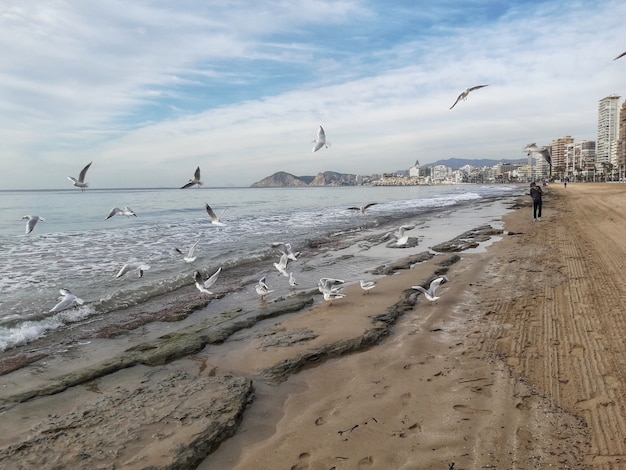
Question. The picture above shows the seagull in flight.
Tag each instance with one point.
(430, 294)
(362, 208)
(80, 182)
(140, 267)
(127, 211)
(203, 285)
(262, 289)
(190, 257)
(215, 220)
(285, 249)
(320, 141)
(621, 55)
(331, 288)
(67, 300)
(195, 180)
(367, 286)
(282, 265)
(32, 221)
(463, 95)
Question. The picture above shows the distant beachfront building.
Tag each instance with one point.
(621, 144)
(580, 158)
(608, 131)
(557, 152)
(414, 171)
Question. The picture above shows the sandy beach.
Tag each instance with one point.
(520, 364)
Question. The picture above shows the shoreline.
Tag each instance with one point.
(470, 379)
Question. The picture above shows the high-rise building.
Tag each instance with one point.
(608, 128)
(557, 152)
(580, 158)
(620, 153)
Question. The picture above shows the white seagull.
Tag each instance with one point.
(401, 237)
(195, 180)
(320, 141)
(363, 208)
(367, 286)
(140, 267)
(281, 266)
(430, 294)
(215, 220)
(285, 249)
(331, 288)
(80, 182)
(127, 211)
(203, 285)
(292, 281)
(190, 257)
(67, 300)
(32, 221)
(463, 95)
(262, 289)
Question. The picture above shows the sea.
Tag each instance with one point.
(76, 248)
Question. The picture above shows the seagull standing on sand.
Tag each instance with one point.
(292, 281)
(363, 208)
(67, 300)
(400, 236)
(430, 294)
(140, 267)
(215, 220)
(367, 286)
(320, 141)
(127, 211)
(262, 289)
(195, 180)
(467, 91)
(80, 182)
(202, 285)
(32, 221)
(190, 257)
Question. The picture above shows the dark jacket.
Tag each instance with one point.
(536, 193)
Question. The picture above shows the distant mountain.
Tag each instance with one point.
(280, 179)
(456, 163)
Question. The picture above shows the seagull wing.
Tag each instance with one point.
(112, 212)
(475, 88)
(210, 281)
(192, 250)
(210, 212)
(196, 174)
(191, 183)
(457, 100)
(83, 172)
(621, 55)
(30, 225)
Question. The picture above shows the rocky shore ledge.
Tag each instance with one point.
(156, 405)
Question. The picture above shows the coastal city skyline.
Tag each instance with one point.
(150, 93)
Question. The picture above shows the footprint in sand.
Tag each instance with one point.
(303, 462)
(366, 462)
(471, 411)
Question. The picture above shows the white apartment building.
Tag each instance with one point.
(580, 157)
(608, 132)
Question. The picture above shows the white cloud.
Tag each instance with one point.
(125, 85)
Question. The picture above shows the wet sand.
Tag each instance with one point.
(520, 364)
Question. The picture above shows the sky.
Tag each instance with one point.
(150, 90)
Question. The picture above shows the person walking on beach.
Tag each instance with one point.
(535, 194)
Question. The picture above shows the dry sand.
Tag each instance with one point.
(520, 364)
